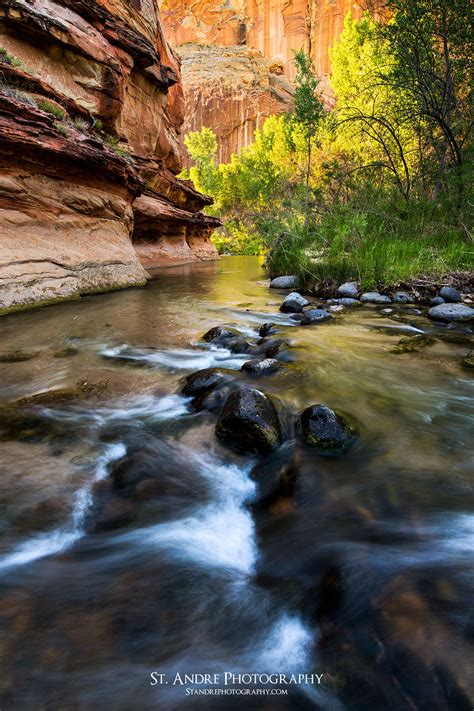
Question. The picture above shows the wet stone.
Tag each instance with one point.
(220, 333)
(261, 366)
(313, 316)
(249, 422)
(266, 329)
(436, 301)
(293, 303)
(322, 428)
(204, 380)
(401, 297)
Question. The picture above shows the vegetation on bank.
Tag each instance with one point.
(378, 189)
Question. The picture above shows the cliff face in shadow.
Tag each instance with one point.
(91, 109)
(248, 44)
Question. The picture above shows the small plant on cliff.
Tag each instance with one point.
(50, 108)
(60, 127)
(80, 125)
(97, 125)
(8, 58)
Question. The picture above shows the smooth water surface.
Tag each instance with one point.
(364, 573)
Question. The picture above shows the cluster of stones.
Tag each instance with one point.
(447, 306)
(250, 421)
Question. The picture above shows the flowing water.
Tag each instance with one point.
(363, 573)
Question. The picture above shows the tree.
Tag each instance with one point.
(308, 111)
(431, 42)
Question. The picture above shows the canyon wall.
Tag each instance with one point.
(238, 58)
(91, 110)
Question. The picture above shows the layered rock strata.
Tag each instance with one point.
(91, 109)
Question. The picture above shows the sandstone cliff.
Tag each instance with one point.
(91, 108)
(237, 57)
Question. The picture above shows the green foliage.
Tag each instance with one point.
(50, 108)
(97, 125)
(8, 58)
(80, 124)
(60, 127)
(374, 190)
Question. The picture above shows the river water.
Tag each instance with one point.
(363, 573)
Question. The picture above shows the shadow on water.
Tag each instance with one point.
(134, 542)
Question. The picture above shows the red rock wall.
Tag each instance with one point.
(91, 110)
(270, 30)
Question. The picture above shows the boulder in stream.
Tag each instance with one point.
(204, 380)
(402, 297)
(249, 422)
(315, 316)
(293, 303)
(451, 312)
(261, 366)
(220, 334)
(322, 428)
(266, 329)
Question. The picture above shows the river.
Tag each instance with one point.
(364, 574)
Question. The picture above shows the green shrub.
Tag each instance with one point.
(8, 58)
(50, 108)
(60, 127)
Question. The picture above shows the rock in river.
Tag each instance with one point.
(450, 294)
(249, 422)
(373, 297)
(284, 282)
(315, 316)
(320, 427)
(349, 289)
(220, 334)
(451, 312)
(293, 303)
(261, 366)
(204, 380)
(267, 329)
(436, 301)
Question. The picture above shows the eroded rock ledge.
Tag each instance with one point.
(91, 108)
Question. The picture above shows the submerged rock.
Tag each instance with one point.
(269, 347)
(336, 308)
(322, 428)
(450, 294)
(468, 361)
(451, 312)
(374, 297)
(411, 344)
(261, 366)
(220, 333)
(284, 282)
(293, 303)
(315, 316)
(17, 356)
(249, 422)
(67, 352)
(350, 289)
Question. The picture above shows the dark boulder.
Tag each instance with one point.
(320, 427)
(220, 334)
(240, 345)
(266, 329)
(249, 422)
(204, 380)
(261, 366)
(212, 400)
(315, 316)
(436, 301)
